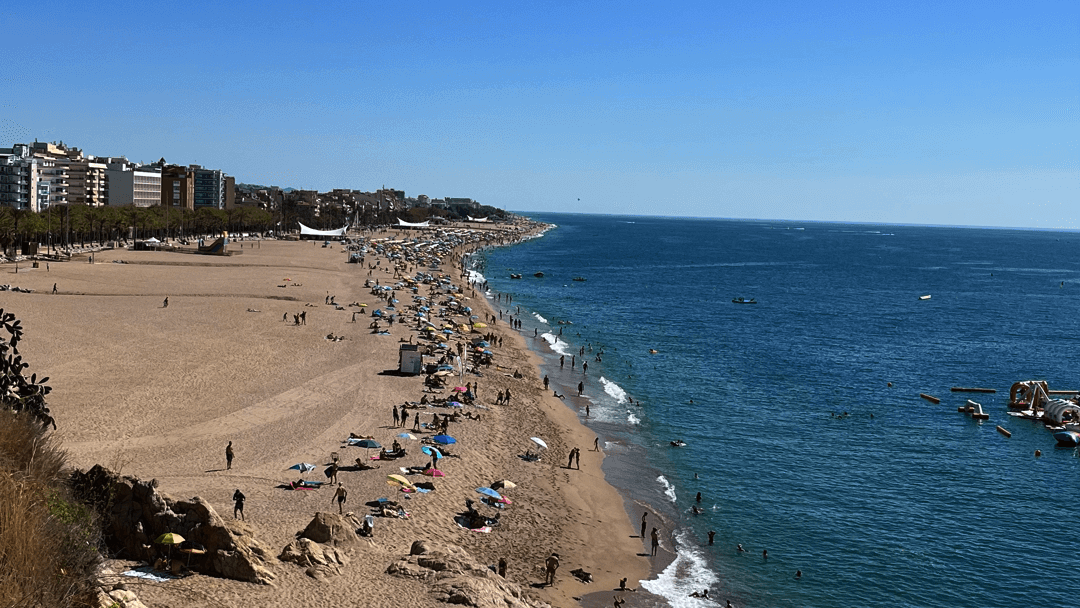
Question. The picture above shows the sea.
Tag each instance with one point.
(803, 426)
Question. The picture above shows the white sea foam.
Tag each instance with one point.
(556, 343)
(476, 277)
(631, 418)
(669, 490)
(686, 575)
(616, 391)
(539, 318)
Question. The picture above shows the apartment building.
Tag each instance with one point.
(24, 180)
(75, 177)
(132, 184)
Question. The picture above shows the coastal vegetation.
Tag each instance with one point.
(48, 541)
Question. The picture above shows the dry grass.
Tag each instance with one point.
(48, 542)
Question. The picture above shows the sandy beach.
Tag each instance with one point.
(157, 392)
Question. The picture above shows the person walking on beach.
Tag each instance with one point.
(552, 564)
(712, 533)
(655, 540)
(228, 456)
(580, 388)
(238, 508)
(577, 459)
(596, 445)
(341, 495)
(643, 524)
(303, 317)
(416, 422)
(562, 361)
(545, 375)
(570, 461)
(404, 416)
(584, 367)
(54, 290)
(397, 419)
(165, 304)
(587, 410)
(573, 361)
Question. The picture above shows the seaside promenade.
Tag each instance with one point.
(157, 392)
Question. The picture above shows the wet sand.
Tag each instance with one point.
(157, 393)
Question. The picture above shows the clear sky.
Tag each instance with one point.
(922, 112)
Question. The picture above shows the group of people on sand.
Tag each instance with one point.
(299, 318)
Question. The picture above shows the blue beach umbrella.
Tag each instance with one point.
(444, 439)
(489, 492)
(303, 467)
(429, 450)
(365, 443)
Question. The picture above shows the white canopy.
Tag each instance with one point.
(304, 230)
(405, 224)
(476, 219)
(151, 240)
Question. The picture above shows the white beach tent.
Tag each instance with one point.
(305, 231)
(405, 224)
(477, 219)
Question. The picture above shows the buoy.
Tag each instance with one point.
(1003, 431)
(890, 384)
(1038, 453)
(930, 398)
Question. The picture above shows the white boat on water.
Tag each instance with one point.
(926, 297)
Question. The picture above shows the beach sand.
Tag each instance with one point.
(157, 392)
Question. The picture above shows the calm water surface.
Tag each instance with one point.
(902, 502)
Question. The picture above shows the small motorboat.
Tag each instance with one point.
(678, 443)
(926, 297)
(744, 301)
(515, 276)
(538, 275)
(579, 279)
(1067, 438)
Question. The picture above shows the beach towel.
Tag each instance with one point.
(148, 573)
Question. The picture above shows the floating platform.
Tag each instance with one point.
(1004, 432)
(968, 389)
(930, 398)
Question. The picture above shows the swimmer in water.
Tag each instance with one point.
(740, 549)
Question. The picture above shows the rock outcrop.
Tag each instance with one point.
(135, 514)
(456, 578)
(321, 547)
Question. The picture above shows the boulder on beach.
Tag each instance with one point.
(134, 514)
(455, 577)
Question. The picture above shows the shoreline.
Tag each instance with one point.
(155, 392)
(635, 595)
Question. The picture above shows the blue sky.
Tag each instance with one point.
(934, 112)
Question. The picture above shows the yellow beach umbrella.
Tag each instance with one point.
(479, 325)
(398, 480)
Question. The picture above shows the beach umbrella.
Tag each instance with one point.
(490, 493)
(365, 443)
(434, 473)
(455, 404)
(398, 480)
(303, 467)
(169, 538)
(539, 442)
(431, 451)
(474, 317)
(505, 484)
(448, 331)
(479, 325)
(460, 389)
(443, 373)
(407, 436)
(444, 439)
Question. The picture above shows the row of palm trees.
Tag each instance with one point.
(63, 225)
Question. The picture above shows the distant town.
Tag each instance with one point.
(61, 193)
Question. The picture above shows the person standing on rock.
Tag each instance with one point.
(238, 508)
(341, 495)
(228, 456)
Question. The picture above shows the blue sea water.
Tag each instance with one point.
(900, 503)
